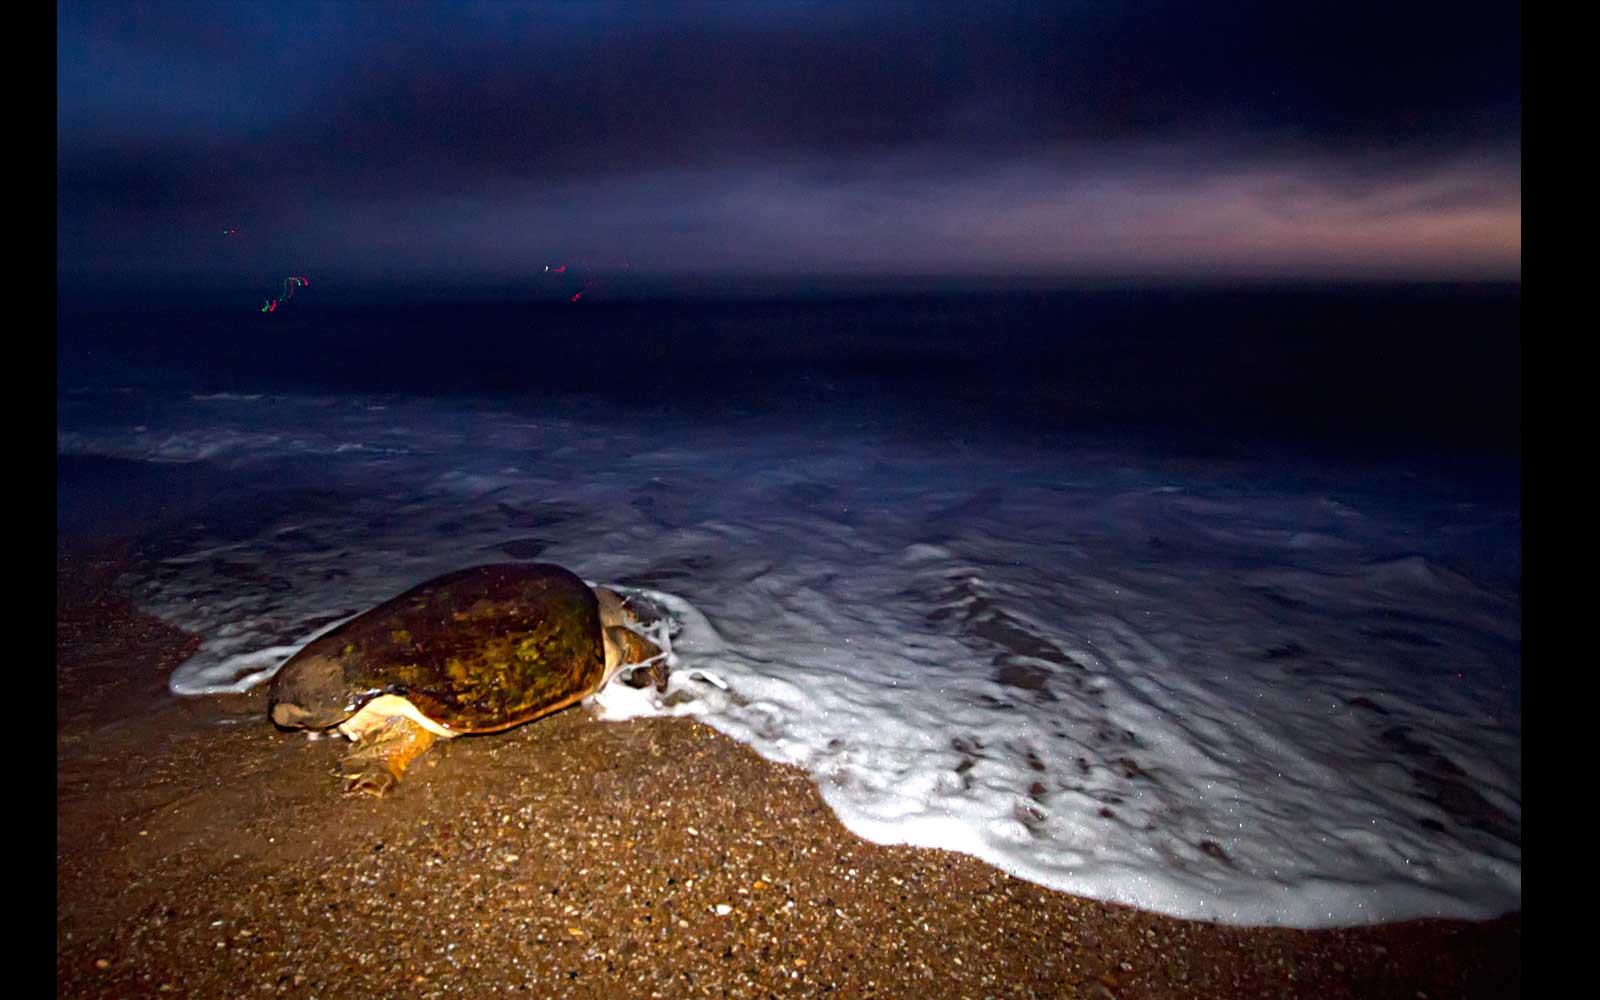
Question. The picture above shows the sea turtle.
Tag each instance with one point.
(475, 651)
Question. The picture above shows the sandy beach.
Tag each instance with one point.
(203, 853)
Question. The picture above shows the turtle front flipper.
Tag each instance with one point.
(378, 759)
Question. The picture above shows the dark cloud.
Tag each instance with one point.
(854, 119)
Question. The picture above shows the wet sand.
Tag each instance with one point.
(200, 852)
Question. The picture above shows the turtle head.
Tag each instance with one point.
(310, 692)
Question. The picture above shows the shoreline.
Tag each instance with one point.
(201, 852)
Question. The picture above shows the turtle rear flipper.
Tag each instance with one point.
(623, 646)
(628, 647)
(639, 661)
(381, 756)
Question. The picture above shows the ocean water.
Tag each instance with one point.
(1231, 633)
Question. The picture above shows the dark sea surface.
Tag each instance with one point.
(1377, 370)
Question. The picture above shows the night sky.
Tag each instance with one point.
(475, 144)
